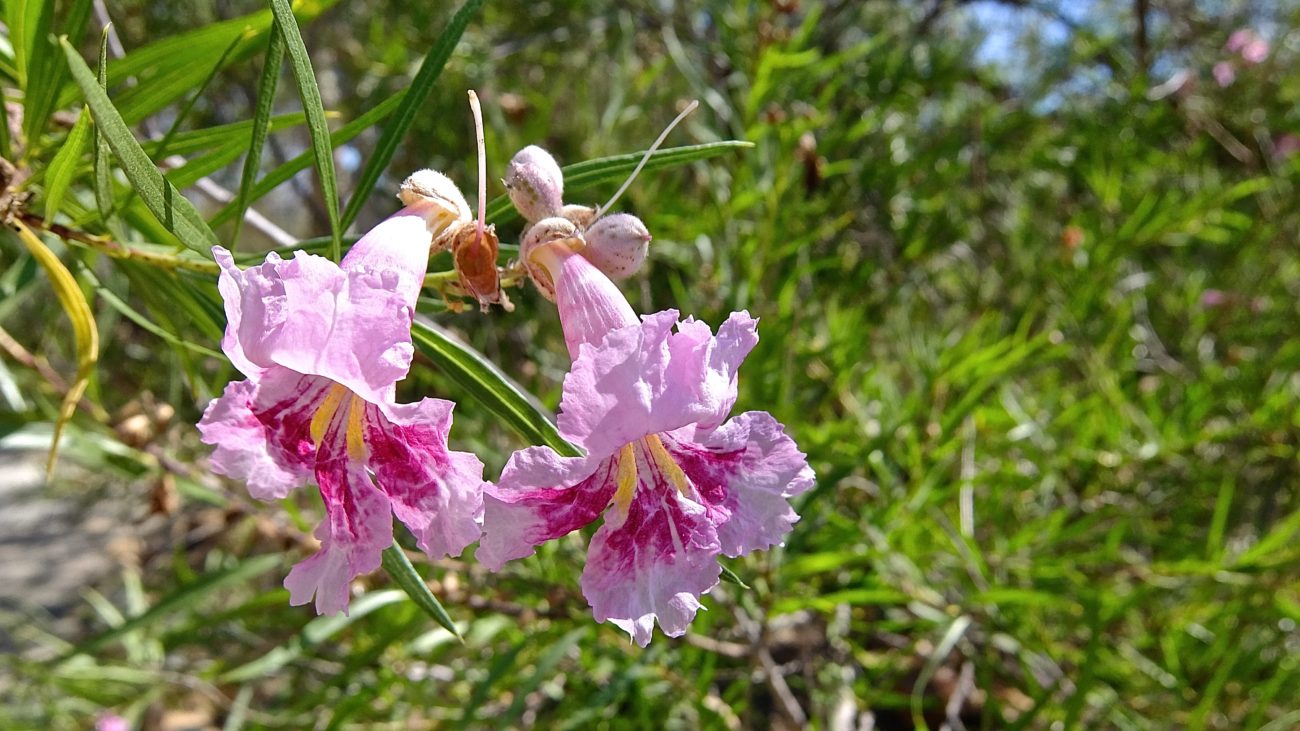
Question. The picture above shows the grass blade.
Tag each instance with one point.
(399, 567)
(183, 596)
(416, 94)
(490, 387)
(39, 95)
(309, 92)
(84, 331)
(583, 175)
(59, 175)
(171, 208)
(261, 127)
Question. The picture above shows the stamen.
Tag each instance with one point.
(644, 159)
(356, 434)
(320, 421)
(667, 465)
(626, 479)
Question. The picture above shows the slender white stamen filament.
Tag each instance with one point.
(646, 158)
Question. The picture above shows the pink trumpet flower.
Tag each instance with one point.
(678, 483)
(322, 346)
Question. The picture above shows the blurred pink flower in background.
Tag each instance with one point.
(1246, 43)
(1285, 145)
(1224, 73)
(108, 721)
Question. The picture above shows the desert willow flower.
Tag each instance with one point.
(677, 481)
(322, 346)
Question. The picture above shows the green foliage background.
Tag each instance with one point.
(1033, 317)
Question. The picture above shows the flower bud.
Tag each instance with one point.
(535, 183)
(581, 216)
(546, 231)
(617, 245)
(438, 199)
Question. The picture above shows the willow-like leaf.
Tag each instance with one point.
(591, 173)
(399, 568)
(84, 332)
(261, 127)
(416, 94)
(490, 387)
(309, 93)
(58, 176)
(171, 208)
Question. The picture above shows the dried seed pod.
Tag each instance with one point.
(546, 231)
(535, 184)
(617, 245)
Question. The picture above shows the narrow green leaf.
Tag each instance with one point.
(730, 577)
(416, 94)
(39, 94)
(133, 315)
(313, 633)
(164, 201)
(183, 597)
(490, 387)
(309, 92)
(399, 567)
(184, 113)
(261, 127)
(23, 17)
(59, 175)
(276, 177)
(234, 134)
(103, 175)
(590, 173)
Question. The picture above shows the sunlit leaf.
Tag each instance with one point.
(171, 208)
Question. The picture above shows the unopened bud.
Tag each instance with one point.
(546, 231)
(617, 245)
(535, 183)
(581, 216)
(444, 202)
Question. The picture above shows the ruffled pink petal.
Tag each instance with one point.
(436, 492)
(229, 284)
(261, 431)
(399, 244)
(745, 472)
(357, 528)
(654, 565)
(736, 338)
(647, 379)
(541, 496)
(632, 384)
(312, 317)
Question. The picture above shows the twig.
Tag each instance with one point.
(116, 249)
(25, 358)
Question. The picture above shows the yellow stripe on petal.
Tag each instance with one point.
(356, 435)
(320, 421)
(667, 465)
(626, 479)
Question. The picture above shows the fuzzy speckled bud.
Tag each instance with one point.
(535, 183)
(441, 202)
(617, 245)
(581, 216)
(546, 231)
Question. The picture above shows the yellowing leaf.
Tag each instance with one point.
(83, 328)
